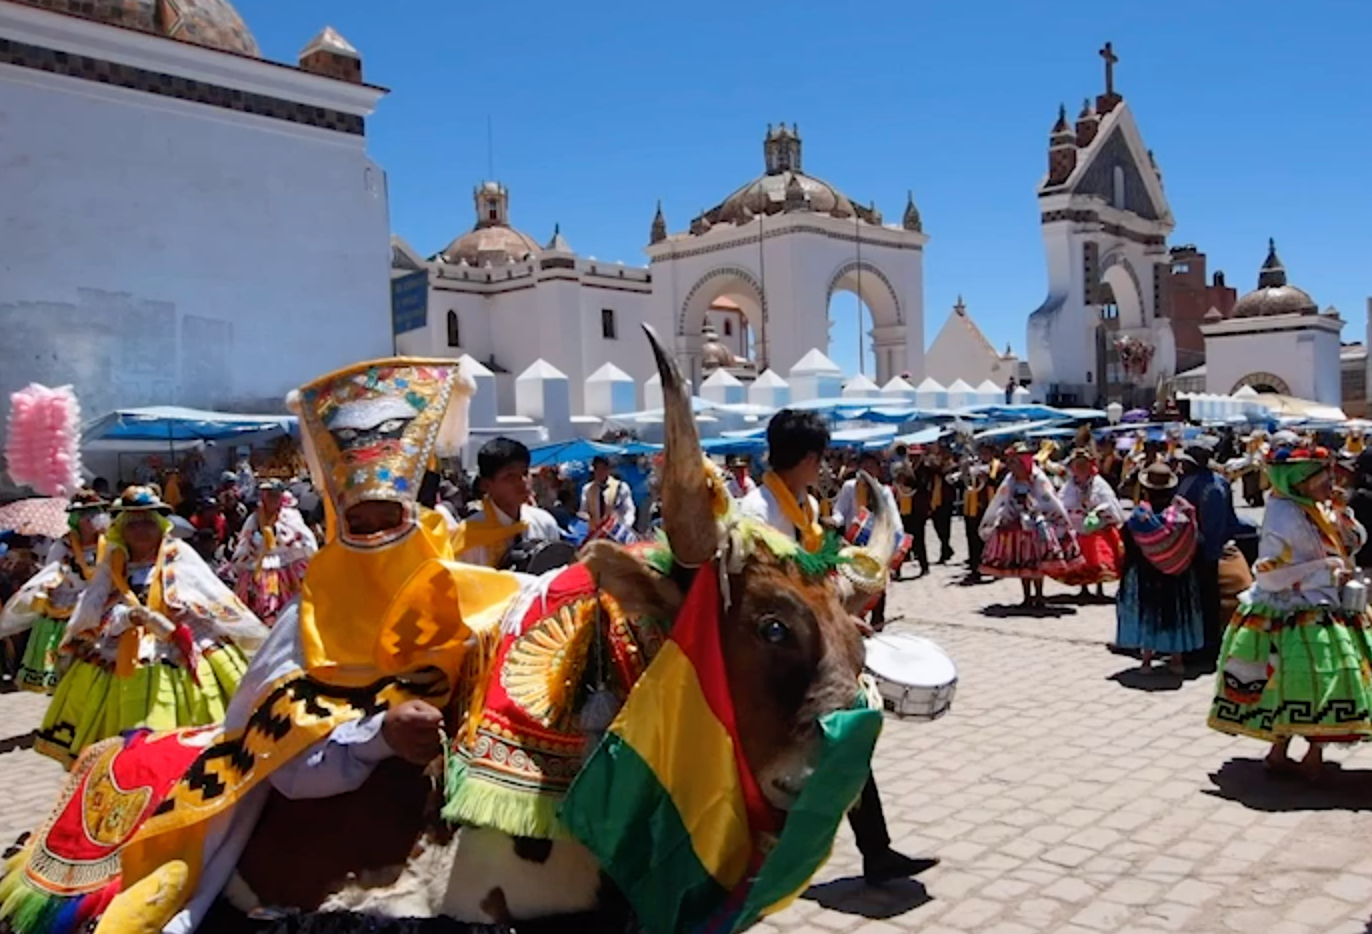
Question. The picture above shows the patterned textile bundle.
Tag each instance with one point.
(70, 870)
(1168, 541)
(43, 449)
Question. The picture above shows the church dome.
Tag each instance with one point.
(784, 188)
(713, 354)
(495, 244)
(1274, 296)
(214, 24)
(492, 240)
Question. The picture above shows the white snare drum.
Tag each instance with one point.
(916, 677)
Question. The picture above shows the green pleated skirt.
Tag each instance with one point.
(1307, 673)
(92, 703)
(38, 670)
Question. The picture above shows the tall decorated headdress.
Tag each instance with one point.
(369, 431)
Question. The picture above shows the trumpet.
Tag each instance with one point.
(829, 484)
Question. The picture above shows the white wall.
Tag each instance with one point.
(526, 314)
(159, 251)
(1307, 360)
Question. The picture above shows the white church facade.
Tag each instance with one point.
(183, 221)
(1102, 334)
(759, 269)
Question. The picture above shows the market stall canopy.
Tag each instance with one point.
(566, 452)
(164, 424)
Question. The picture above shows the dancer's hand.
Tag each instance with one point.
(863, 626)
(412, 730)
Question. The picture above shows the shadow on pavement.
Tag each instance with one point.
(1019, 611)
(853, 896)
(1248, 782)
(1159, 679)
(22, 741)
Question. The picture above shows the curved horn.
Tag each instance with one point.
(686, 516)
(886, 526)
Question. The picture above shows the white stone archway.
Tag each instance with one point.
(1263, 382)
(738, 283)
(874, 289)
(1117, 272)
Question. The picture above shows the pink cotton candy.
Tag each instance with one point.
(43, 446)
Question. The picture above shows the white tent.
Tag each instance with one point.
(930, 394)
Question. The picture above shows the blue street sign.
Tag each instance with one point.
(409, 302)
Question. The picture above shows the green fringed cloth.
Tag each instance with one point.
(514, 760)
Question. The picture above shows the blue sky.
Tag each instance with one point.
(1259, 113)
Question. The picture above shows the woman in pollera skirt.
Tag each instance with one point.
(1295, 661)
(274, 549)
(156, 639)
(1025, 528)
(1095, 513)
(44, 604)
(1158, 609)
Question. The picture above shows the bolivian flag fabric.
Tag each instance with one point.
(668, 804)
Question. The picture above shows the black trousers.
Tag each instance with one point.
(975, 546)
(914, 527)
(943, 528)
(869, 823)
(1208, 576)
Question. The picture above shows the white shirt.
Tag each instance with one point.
(846, 507)
(618, 499)
(761, 505)
(736, 489)
(539, 526)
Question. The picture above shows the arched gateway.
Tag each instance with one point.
(779, 248)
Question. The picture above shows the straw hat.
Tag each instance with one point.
(1158, 476)
(140, 499)
(87, 500)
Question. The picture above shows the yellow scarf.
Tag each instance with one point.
(861, 494)
(268, 529)
(487, 533)
(126, 655)
(906, 501)
(78, 554)
(801, 516)
(971, 499)
(119, 574)
(936, 500)
(368, 613)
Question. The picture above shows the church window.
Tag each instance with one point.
(728, 328)
(607, 324)
(1118, 200)
(454, 332)
(1109, 311)
(1179, 268)
(492, 210)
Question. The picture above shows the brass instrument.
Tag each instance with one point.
(829, 483)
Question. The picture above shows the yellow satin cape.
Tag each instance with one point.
(366, 613)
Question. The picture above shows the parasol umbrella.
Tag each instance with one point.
(40, 516)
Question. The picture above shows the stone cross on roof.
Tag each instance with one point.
(1108, 53)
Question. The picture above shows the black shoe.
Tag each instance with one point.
(889, 865)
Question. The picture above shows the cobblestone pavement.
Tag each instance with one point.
(1062, 795)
